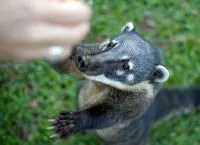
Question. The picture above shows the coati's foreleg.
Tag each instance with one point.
(112, 110)
(95, 117)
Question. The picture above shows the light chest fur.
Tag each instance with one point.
(93, 93)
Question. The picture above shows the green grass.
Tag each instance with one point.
(33, 92)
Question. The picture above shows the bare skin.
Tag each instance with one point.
(29, 27)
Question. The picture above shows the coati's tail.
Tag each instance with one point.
(176, 100)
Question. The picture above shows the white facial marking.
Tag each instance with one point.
(130, 77)
(104, 80)
(105, 43)
(103, 48)
(130, 64)
(119, 72)
(125, 57)
(114, 41)
(143, 85)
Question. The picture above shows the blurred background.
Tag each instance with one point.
(31, 93)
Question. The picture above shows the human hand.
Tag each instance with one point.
(28, 28)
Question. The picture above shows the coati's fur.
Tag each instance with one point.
(120, 98)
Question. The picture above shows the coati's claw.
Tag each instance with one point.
(51, 120)
(65, 124)
(53, 136)
(50, 128)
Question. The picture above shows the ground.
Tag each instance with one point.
(31, 93)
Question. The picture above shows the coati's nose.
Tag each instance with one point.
(81, 63)
(88, 66)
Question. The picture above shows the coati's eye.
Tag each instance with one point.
(125, 66)
(110, 45)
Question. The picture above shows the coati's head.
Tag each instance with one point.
(124, 61)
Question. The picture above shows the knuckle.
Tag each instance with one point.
(33, 8)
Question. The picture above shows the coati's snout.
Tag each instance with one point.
(88, 66)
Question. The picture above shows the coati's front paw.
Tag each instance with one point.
(65, 124)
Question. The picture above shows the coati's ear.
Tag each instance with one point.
(128, 27)
(161, 74)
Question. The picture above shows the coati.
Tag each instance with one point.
(121, 96)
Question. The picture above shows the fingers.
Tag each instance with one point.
(50, 34)
(49, 53)
(65, 12)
